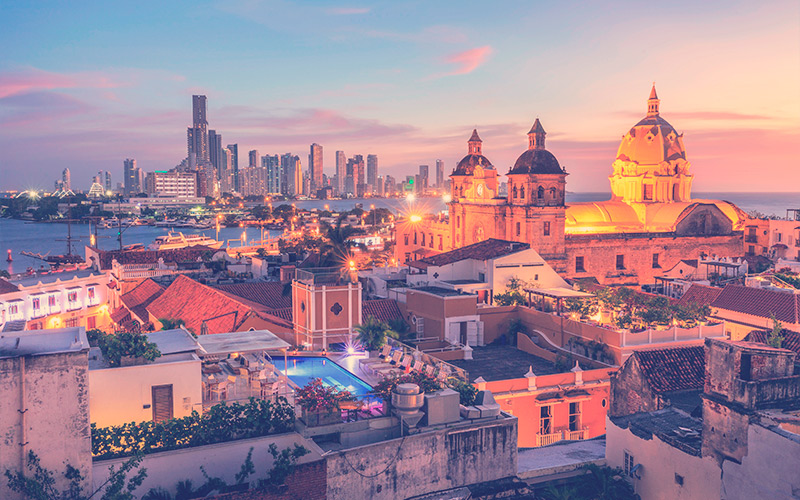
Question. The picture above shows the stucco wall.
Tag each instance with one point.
(119, 395)
(769, 470)
(425, 462)
(660, 463)
(57, 417)
(223, 460)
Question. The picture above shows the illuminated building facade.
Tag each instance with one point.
(649, 224)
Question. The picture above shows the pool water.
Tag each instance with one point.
(303, 370)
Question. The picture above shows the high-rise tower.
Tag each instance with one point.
(315, 166)
(372, 172)
(197, 134)
(341, 172)
(234, 151)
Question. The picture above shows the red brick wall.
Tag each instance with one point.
(309, 482)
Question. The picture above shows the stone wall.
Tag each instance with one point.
(426, 462)
(629, 391)
(44, 408)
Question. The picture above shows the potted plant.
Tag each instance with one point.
(320, 403)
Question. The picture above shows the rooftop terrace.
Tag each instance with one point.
(503, 362)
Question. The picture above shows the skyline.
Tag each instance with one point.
(78, 94)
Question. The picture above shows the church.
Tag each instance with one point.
(650, 223)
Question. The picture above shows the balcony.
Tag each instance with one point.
(578, 435)
(751, 238)
(563, 435)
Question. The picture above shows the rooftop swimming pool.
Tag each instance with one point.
(303, 369)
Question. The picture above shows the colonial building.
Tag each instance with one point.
(650, 223)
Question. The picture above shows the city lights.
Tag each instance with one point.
(415, 218)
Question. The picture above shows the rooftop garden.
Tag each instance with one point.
(123, 348)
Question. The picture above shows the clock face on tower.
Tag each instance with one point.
(479, 189)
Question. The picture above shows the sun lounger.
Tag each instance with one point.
(405, 362)
(429, 369)
(418, 366)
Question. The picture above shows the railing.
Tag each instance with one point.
(548, 439)
(428, 359)
(751, 239)
(578, 435)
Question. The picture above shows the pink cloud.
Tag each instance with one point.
(466, 62)
(32, 80)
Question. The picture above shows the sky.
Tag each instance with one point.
(85, 85)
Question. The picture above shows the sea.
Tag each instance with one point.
(50, 238)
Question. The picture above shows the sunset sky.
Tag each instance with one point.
(85, 85)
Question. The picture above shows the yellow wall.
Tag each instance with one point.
(118, 395)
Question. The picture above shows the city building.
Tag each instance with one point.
(291, 175)
(133, 177)
(234, 163)
(171, 183)
(422, 179)
(273, 173)
(651, 222)
(439, 174)
(197, 135)
(372, 173)
(215, 152)
(57, 300)
(315, 167)
(741, 440)
(341, 172)
(66, 179)
(315, 292)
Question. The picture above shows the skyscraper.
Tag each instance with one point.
(215, 151)
(358, 170)
(341, 172)
(234, 149)
(252, 158)
(372, 172)
(315, 166)
(291, 175)
(197, 134)
(132, 177)
(422, 185)
(272, 166)
(439, 174)
(66, 179)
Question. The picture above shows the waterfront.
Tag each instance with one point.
(16, 235)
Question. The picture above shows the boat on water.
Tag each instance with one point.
(174, 241)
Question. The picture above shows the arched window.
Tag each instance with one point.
(552, 193)
(514, 191)
(522, 192)
(540, 192)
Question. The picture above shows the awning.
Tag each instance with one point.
(228, 343)
(559, 293)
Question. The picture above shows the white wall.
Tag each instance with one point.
(223, 460)
(118, 395)
(542, 275)
(771, 468)
(659, 464)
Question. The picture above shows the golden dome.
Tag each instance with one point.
(653, 140)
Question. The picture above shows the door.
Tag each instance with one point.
(162, 402)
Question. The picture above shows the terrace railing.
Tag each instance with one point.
(548, 439)
(426, 358)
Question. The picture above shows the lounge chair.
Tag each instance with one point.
(405, 362)
(388, 372)
(418, 366)
(429, 369)
(381, 358)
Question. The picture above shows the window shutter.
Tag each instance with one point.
(162, 403)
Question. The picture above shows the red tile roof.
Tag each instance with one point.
(760, 302)
(191, 254)
(791, 340)
(674, 369)
(701, 295)
(195, 303)
(140, 297)
(269, 294)
(284, 314)
(381, 309)
(484, 250)
(6, 287)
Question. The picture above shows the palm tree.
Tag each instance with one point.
(372, 333)
(335, 250)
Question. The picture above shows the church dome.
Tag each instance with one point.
(536, 160)
(653, 140)
(474, 158)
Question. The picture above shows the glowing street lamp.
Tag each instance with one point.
(447, 198)
(415, 218)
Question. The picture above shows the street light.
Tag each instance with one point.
(415, 218)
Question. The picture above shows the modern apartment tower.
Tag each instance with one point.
(252, 157)
(291, 175)
(341, 173)
(315, 166)
(66, 179)
(272, 166)
(372, 173)
(439, 174)
(215, 151)
(424, 172)
(197, 134)
(132, 177)
(234, 151)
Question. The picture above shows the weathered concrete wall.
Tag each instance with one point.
(660, 463)
(306, 483)
(223, 460)
(771, 468)
(425, 462)
(54, 396)
(724, 431)
(630, 392)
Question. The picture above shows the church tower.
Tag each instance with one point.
(651, 165)
(535, 203)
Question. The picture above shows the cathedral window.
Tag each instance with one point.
(579, 265)
(540, 193)
(423, 239)
(440, 242)
(656, 265)
(415, 237)
(522, 192)
(620, 262)
(553, 193)
(405, 239)
(648, 192)
(514, 191)
(547, 228)
(519, 228)
(430, 240)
